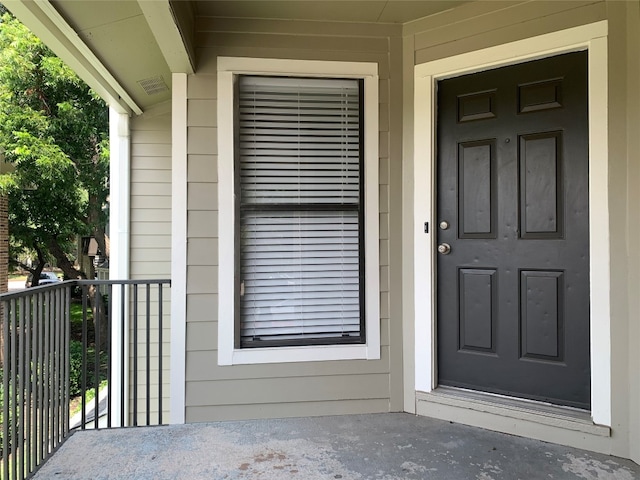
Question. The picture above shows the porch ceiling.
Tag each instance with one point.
(365, 11)
(127, 49)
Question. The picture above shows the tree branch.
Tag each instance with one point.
(63, 262)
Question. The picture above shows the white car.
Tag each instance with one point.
(45, 279)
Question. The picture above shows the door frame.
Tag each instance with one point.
(593, 38)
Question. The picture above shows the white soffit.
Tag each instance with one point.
(46, 23)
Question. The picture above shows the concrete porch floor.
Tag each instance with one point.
(383, 446)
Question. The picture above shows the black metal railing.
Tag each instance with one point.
(78, 354)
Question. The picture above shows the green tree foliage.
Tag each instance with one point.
(54, 130)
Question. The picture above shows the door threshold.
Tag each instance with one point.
(530, 410)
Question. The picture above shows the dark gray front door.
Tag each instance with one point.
(513, 177)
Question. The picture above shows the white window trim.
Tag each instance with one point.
(227, 68)
(593, 38)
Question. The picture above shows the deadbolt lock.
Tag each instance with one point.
(444, 225)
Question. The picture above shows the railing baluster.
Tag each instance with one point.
(135, 355)
(62, 359)
(13, 397)
(123, 349)
(22, 372)
(5, 388)
(47, 370)
(97, 327)
(51, 363)
(148, 359)
(160, 325)
(67, 358)
(26, 308)
(108, 315)
(83, 381)
(40, 411)
(55, 327)
(33, 316)
(59, 320)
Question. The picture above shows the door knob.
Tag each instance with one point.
(444, 248)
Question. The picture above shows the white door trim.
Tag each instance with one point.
(592, 37)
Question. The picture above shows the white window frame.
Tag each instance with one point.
(228, 67)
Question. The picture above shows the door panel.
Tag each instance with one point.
(512, 172)
(477, 309)
(541, 201)
(476, 189)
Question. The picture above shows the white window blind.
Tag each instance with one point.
(299, 172)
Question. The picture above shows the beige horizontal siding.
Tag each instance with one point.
(152, 215)
(151, 189)
(202, 224)
(201, 194)
(202, 87)
(276, 389)
(495, 17)
(286, 409)
(158, 150)
(200, 364)
(299, 28)
(202, 302)
(146, 202)
(150, 228)
(285, 41)
(202, 279)
(308, 388)
(202, 168)
(151, 163)
(202, 140)
(150, 176)
(202, 112)
(495, 23)
(150, 241)
(202, 251)
(150, 252)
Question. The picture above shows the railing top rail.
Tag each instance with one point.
(148, 281)
(71, 283)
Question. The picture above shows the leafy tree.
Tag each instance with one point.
(54, 130)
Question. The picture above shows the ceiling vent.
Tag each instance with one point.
(153, 85)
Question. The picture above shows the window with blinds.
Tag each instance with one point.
(300, 211)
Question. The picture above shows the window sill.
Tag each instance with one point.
(315, 353)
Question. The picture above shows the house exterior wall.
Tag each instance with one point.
(459, 31)
(288, 389)
(334, 387)
(150, 241)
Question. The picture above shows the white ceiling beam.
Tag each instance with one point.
(47, 24)
(165, 29)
